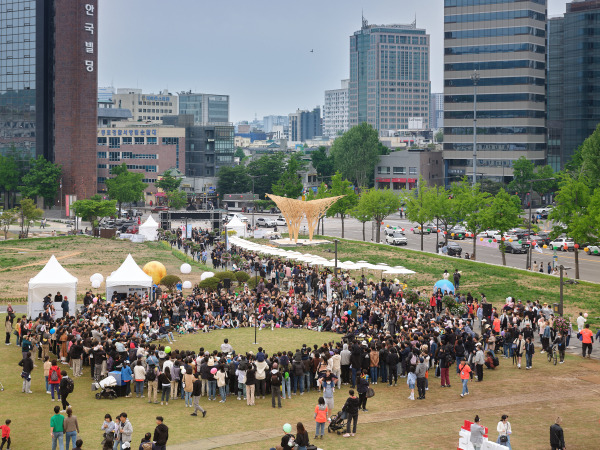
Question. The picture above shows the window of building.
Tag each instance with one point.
(151, 140)
(412, 170)
(399, 170)
(139, 140)
(114, 156)
(127, 140)
(383, 170)
(101, 141)
(114, 142)
(101, 155)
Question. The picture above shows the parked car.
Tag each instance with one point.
(133, 229)
(451, 249)
(543, 211)
(265, 222)
(594, 250)
(388, 231)
(459, 232)
(157, 209)
(490, 233)
(559, 244)
(543, 238)
(428, 228)
(515, 247)
(280, 221)
(396, 238)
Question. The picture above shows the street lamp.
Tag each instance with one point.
(475, 78)
(253, 203)
(528, 259)
(560, 307)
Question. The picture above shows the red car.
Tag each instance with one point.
(159, 208)
(133, 229)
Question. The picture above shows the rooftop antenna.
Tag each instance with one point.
(414, 24)
(365, 24)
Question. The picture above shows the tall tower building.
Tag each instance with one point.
(389, 76)
(573, 78)
(48, 86)
(206, 108)
(436, 112)
(505, 42)
(305, 125)
(335, 111)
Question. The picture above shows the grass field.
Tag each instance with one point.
(532, 399)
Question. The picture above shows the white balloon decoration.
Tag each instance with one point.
(187, 285)
(97, 276)
(206, 275)
(185, 268)
(96, 283)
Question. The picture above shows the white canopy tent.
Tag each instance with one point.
(51, 279)
(128, 279)
(149, 229)
(237, 225)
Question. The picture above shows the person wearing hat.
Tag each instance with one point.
(504, 431)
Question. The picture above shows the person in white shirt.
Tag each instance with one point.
(581, 322)
(226, 347)
(504, 432)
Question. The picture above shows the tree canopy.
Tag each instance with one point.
(378, 204)
(41, 180)
(502, 214)
(419, 204)
(322, 162)
(168, 183)
(289, 183)
(125, 186)
(590, 158)
(233, 180)
(345, 204)
(93, 208)
(29, 213)
(266, 169)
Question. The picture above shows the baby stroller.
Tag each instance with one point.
(338, 423)
(106, 387)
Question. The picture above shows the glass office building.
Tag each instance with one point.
(206, 108)
(389, 76)
(505, 42)
(573, 79)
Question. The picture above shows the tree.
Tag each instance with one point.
(523, 170)
(94, 207)
(29, 212)
(168, 183)
(378, 204)
(322, 192)
(362, 216)
(419, 205)
(356, 153)
(572, 214)
(489, 186)
(170, 281)
(590, 158)
(265, 169)
(502, 214)
(126, 186)
(547, 186)
(233, 180)
(345, 204)
(469, 205)
(239, 153)
(10, 177)
(442, 209)
(322, 162)
(177, 199)
(289, 183)
(42, 180)
(7, 218)
(439, 137)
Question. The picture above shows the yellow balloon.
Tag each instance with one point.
(586, 249)
(156, 270)
(545, 246)
(510, 240)
(451, 234)
(481, 239)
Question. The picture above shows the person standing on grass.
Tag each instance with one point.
(328, 383)
(529, 352)
(519, 349)
(8, 328)
(477, 432)
(362, 386)
(351, 408)
(221, 377)
(557, 437)
(420, 372)
(411, 380)
(250, 384)
(161, 434)
(5, 434)
(147, 443)
(188, 381)
(504, 432)
(196, 394)
(125, 431)
(54, 377)
(276, 380)
(465, 374)
(126, 376)
(587, 338)
(321, 416)
(71, 427)
(165, 381)
(27, 364)
(139, 375)
(65, 388)
(152, 378)
(57, 429)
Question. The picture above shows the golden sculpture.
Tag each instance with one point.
(295, 210)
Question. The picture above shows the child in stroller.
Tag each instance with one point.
(106, 387)
(338, 423)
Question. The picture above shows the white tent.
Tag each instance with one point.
(237, 225)
(148, 229)
(51, 279)
(128, 279)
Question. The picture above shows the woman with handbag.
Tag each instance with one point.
(504, 432)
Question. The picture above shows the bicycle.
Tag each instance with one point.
(553, 354)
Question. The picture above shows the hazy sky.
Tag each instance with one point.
(257, 52)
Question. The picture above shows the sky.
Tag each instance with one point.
(259, 53)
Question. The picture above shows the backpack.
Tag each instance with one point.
(54, 376)
(70, 386)
(496, 361)
(146, 446)
(151, 375)
(275, 379)
(413, 360)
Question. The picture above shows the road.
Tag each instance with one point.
(589, 265)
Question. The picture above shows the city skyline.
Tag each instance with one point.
(260, 58)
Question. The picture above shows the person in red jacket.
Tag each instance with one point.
(54, 377)
(5, 434)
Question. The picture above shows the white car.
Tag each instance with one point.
(280, 221)
(559, 244)
(490, 233)
(594, 250)
(396, 238)
(507, 237)
(239, 216)
(265, 222)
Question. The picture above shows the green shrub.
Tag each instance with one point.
(225, 274)
(209, 284)
(242, 277)
(169, 281)
(253, 282)
(411, 297)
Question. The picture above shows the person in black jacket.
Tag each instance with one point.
(27, 365)
(351, 408)
(301, 436)
(161, 434)
(65, 381)
(557, 438)
(355, 359)
(196, 394)
(362, 388)
(392, 362)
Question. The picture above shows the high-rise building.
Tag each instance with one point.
(504, 41)
(206, 108)
(305, 125)
(335, 111)
(573, 104)
(48, 85)
(207, 147)
(146, 107)
(436, 112)
(389, 76)
(272, 121)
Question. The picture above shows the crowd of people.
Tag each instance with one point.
(382, 337)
